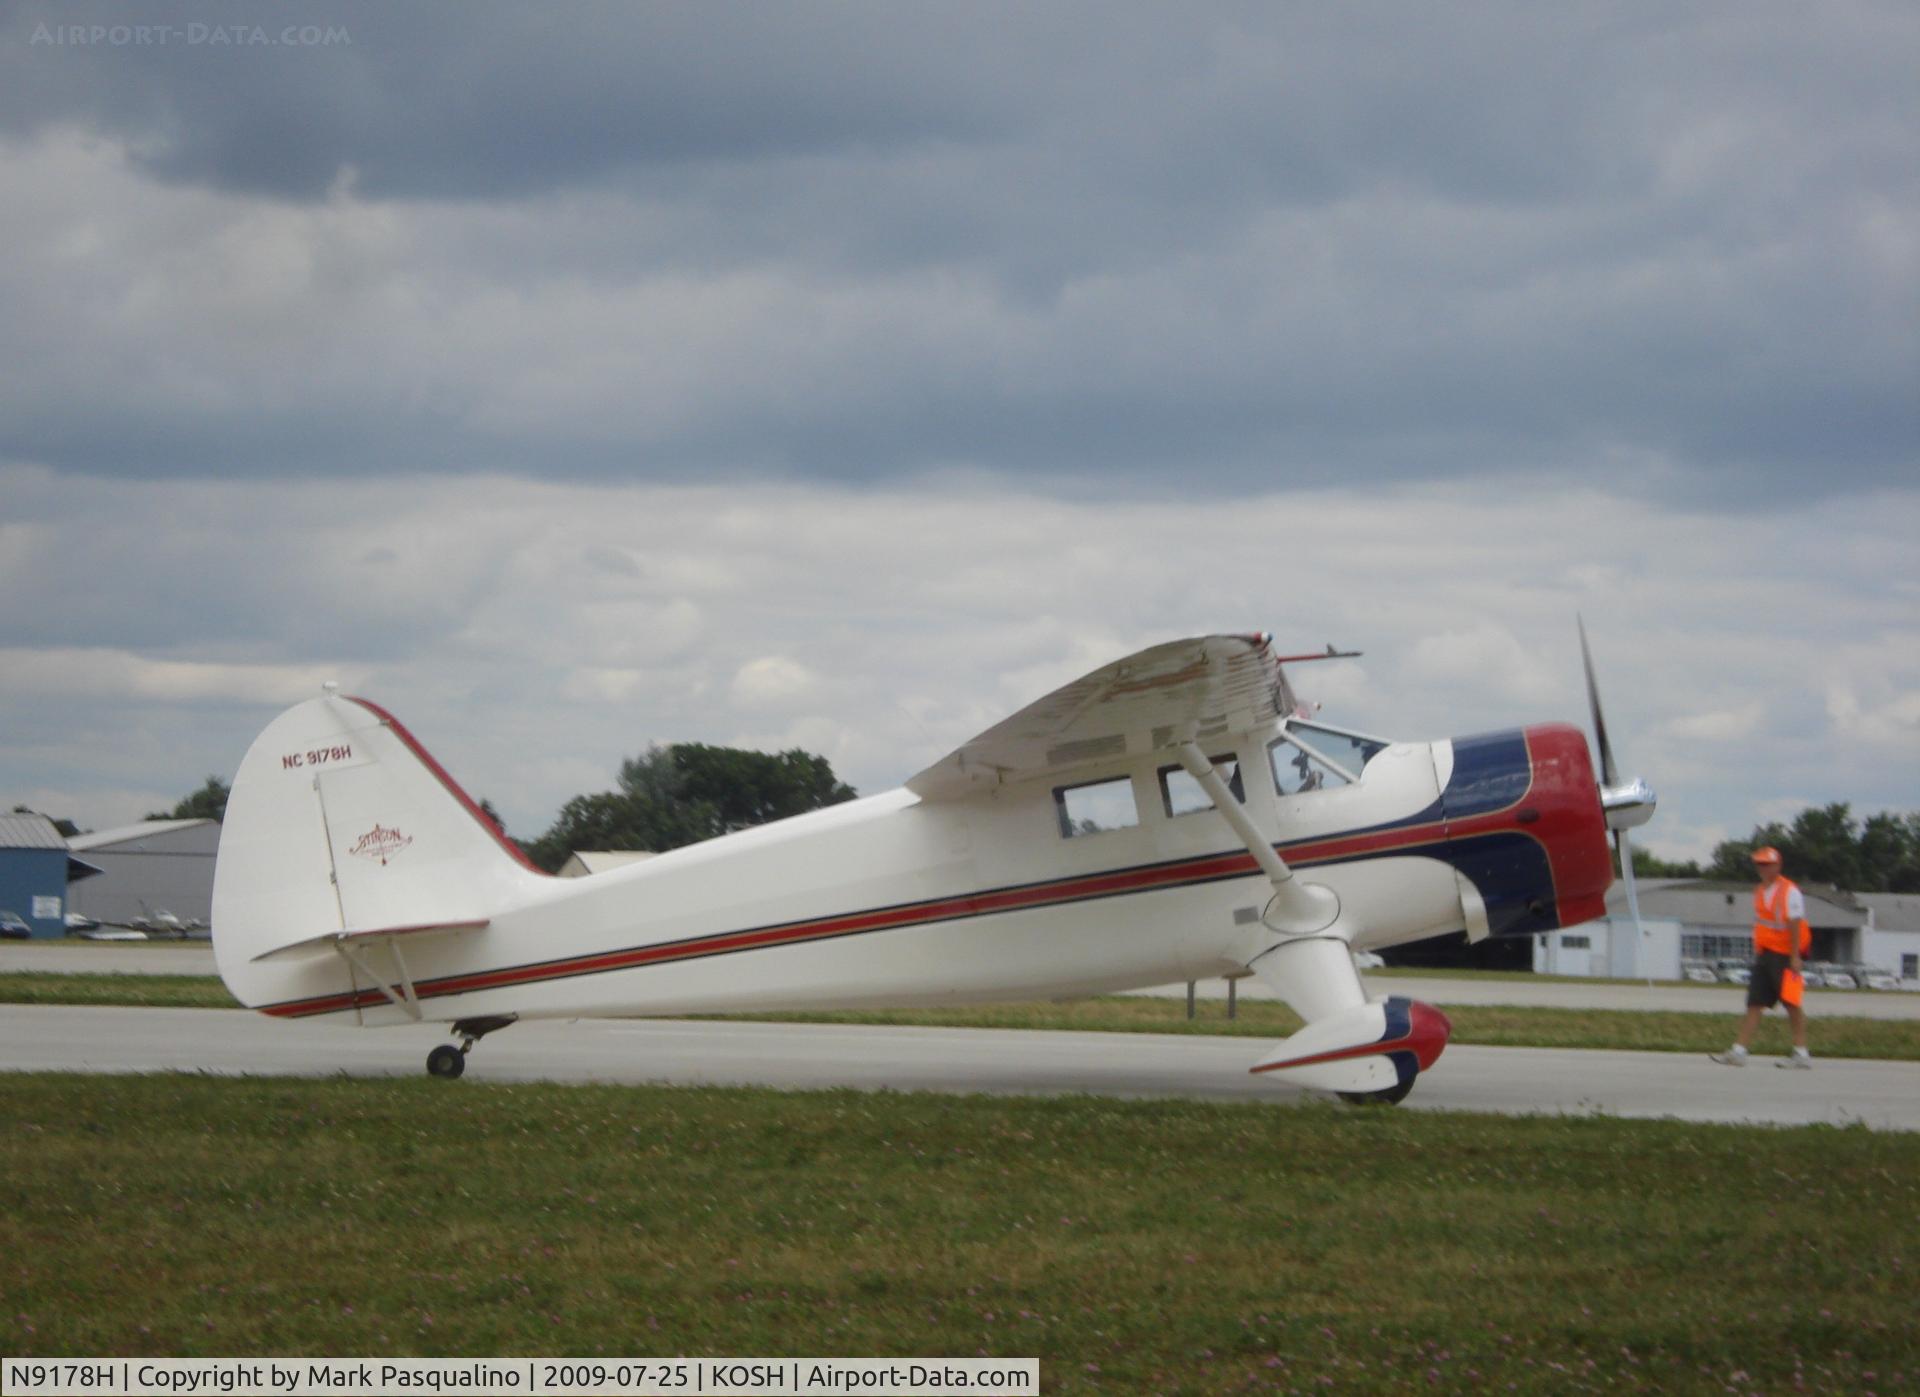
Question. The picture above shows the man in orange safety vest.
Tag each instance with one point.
(1781, 937)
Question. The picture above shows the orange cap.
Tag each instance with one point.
(1766, 853)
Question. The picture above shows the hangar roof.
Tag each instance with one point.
(129, 834)
(1703, 902)
(29, 832)
(590, 861)
(1894, 911)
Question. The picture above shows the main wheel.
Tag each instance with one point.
(1391, 1096)
(446, 1061)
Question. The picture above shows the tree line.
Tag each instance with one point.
(1828, 844)
(682, 794)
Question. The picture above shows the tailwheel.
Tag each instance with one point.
(446, 1061)
(1391, 1096)
(449, 1061)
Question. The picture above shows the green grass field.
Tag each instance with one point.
(1132, 1246)
(1497, 1025)
(138, 991)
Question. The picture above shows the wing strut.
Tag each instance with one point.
(1296, 908)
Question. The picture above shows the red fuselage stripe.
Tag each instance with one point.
(1209, 868)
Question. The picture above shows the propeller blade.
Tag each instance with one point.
(1625, 850)
(1623, 806)
(1609, 774)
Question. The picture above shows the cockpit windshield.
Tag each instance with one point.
(1314, 757)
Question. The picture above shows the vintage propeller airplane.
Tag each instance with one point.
(1174, 815)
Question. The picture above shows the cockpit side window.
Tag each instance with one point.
(1347, 751)
(1297, 769)
(1314, 757)
(1180, 794)
(1095, 807)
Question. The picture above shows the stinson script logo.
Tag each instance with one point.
(380, 843)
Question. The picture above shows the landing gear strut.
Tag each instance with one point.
(449, 1061)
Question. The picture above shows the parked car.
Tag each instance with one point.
(1700, 974)
(80, 921)
(14, 927)
(1838, 979)
(1734, 972)
(113, 933)
(1881, 980)
(1811, 978)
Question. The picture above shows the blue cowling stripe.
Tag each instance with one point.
(1514, 878)
(1491, 771)
(1510, 870)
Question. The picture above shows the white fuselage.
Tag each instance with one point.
(897, 901)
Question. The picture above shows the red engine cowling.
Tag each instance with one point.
(1524, 824)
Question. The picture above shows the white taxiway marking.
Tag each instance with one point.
(1884, 1095)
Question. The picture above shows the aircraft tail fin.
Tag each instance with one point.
(339, 821)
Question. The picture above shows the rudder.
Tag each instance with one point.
(340, 821)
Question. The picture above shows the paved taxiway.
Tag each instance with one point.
(1885, 1095)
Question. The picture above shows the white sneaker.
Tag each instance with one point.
(1732, 1057)
(1800, 1062)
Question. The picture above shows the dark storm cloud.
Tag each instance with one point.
(1232, 102)
(491, 100)
(1242, 245)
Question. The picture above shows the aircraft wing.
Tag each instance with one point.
(1196, 689)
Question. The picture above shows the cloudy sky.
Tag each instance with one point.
(573, 378)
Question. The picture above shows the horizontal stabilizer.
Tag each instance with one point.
(1370, 1047)
(334, 940)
